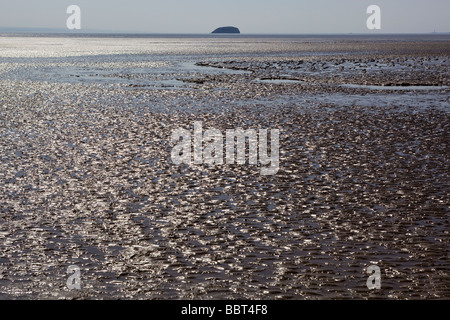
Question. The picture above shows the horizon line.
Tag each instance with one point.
(43, 30)
(81, 33)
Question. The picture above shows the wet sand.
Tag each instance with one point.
(86, 176)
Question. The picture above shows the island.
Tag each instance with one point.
(227, 30)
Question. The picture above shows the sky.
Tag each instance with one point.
(250, 16)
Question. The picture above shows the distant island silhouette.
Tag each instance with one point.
(227, 30)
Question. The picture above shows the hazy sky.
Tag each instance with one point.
(251, 16)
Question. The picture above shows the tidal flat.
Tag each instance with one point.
(87, 179)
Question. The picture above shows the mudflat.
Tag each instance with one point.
(87, 179)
